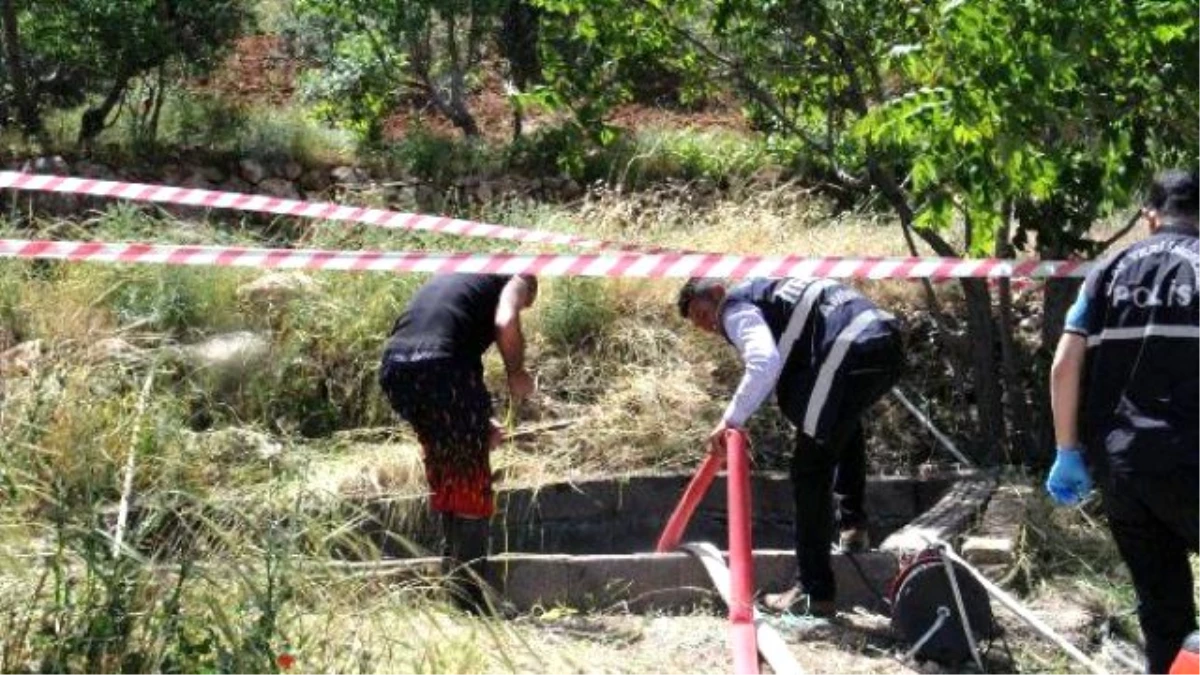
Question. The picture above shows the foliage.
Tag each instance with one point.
(1054, 108)
(575, 314)
(78, 52)
(361, 78)
(373, 53)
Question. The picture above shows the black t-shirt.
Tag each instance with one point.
(1140, 314)
(453, 316)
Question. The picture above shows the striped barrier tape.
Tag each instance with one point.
(237, 201)
(941, 270)
(612, 264)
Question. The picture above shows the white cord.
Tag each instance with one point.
(127, 488)
(1016, 608)
(962, 611)
(943, 613)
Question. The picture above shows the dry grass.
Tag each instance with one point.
(638, 387)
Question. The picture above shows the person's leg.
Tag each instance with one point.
(812, 487)
(872, 368)
(467, 485)
(465, 559)
(1172, 499)
(1156, 556)
(851, 481)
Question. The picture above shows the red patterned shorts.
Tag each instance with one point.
(448, 406)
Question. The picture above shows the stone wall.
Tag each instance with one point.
(285, 179)
(626, 515)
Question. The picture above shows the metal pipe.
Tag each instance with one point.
(937, 434)
(962, 613)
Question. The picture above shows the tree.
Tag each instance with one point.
(95, 48)
(383, 51)
(26, 107)
(519, 40)
(980, 114)
(1030, 121)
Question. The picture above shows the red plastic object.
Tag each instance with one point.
(672, 534)
(1188, 660)
(741, 557)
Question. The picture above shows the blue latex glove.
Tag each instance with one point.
(1068, 482)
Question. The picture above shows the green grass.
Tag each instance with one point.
(641, 388)
(199, 122)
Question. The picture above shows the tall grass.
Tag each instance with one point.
(221, 569)
(200, 122)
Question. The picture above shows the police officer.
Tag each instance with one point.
(828, 353)
(1128, 362)
(432, 373)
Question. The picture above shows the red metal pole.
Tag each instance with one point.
(741, 557)
(673, 532)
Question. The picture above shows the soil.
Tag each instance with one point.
(260, 71)
(257, 72)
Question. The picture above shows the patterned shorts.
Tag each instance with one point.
(448, 406)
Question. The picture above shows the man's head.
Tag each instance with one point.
(1172, 200)
(700, 302)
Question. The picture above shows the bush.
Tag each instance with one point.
(575, 313)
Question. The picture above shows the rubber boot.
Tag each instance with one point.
(467, 569)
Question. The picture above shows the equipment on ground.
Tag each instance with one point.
(940, 609)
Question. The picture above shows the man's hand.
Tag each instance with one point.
(495, 434)
(520, 384)
(716, 438)
(1068, 482)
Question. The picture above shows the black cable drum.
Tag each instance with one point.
(917, 593)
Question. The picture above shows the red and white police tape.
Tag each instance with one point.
(616, 260)
(615, 264)
(238, 201)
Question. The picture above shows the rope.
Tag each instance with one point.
(127, 488)
(962, 612)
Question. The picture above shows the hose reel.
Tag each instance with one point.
(929, 598)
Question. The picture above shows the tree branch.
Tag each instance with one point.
(1129, 225)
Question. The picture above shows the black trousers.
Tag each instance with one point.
(838, 466)
(1153, 518)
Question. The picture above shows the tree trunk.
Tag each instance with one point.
(980, 330)
(456, 108)
(520, 30)
(1020, 418)
(30, 122)
(160, 97)
(94, 119)
(1024, 436)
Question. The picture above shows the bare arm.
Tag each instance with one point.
(509, 338)
(1066, 377)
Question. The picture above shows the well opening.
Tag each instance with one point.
(606, 516)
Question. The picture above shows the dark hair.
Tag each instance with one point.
(1173, 195)
(696, 287)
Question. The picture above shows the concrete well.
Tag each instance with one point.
(590, 543)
